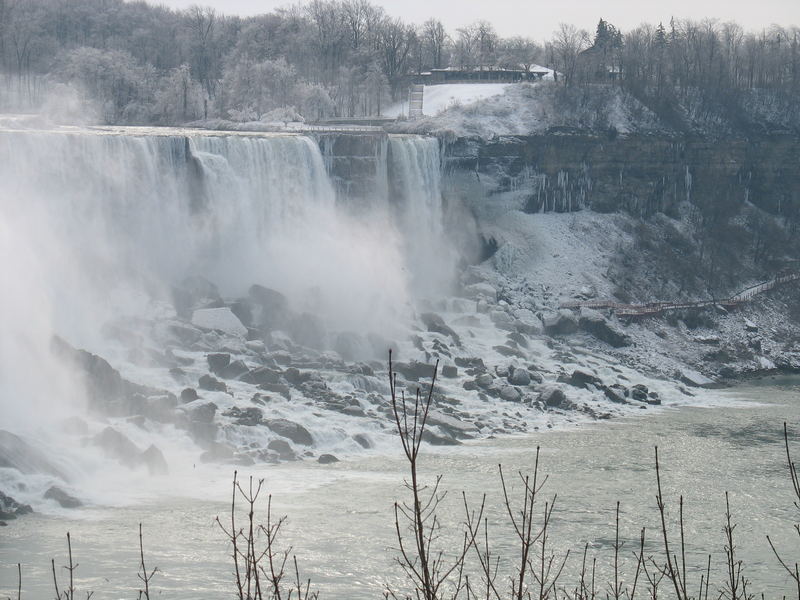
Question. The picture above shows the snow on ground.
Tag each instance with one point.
(439, 98)
(535, 108)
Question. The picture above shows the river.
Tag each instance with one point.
(340, 519)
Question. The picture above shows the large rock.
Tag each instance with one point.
(450, 424)
(116, 445)
(582, 379)
(270, 308)
(695, 379)
(520, 377)
(154, 460)
(597, 325)
(250, 416)
(262, 375)
(219, 319)
(194, 292)
(291, 430)
(282, 448)
(527, 323)
(509, 393)
(11, 509)
(414, 370)
(563, 322)
(16, 453)
(554, 397)
(436, 324)
(63, 498)
(211, 384)
(106, 389)
(217, 361)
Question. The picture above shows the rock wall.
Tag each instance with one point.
(356, 162)
(639, 174)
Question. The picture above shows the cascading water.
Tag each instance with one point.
(415, 174)
(102, 224)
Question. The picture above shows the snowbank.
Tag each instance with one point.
(439, 98)
(532, 108)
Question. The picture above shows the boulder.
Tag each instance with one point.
(582, 379)
(750, 326)
(327, 459)
(439, 439)
(277, 388)
(453, 426)
(597, 325)
(64, 499)
(235, 369)
(563, 322)
(509, 393)
(189, 395)
(106, 389)
(154, 460)
(484, 380)
(270, 308)
(615, 393)
(291, 430)
(11, 509)
(262, 375)
(16, 453)
(526, 322)
(695, 379)
(200, 422)
(282, 448)
(435, 324)
(194, 292)
(510, 352)
(219, 319)
(450, 371)
(203, 413)
(518, 339)
(639, 392)
(502, 320)
(469, 363)
(414, 370)
(116, 445)
(363, 441)
(218, 361)
(553, 397)
(211, 384)
(520, 377)
(249, 416)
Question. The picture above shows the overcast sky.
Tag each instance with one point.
(538, 19)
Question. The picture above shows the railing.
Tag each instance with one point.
(654, 308)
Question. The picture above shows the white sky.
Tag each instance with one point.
(538, 19)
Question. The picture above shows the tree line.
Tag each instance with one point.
(145, 63)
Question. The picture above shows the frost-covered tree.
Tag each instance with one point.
(179, 98)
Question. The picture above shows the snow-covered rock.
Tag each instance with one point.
(221, 319)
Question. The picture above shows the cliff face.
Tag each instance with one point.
(638, 174)
(356, 162)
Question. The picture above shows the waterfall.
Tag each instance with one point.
(97, 227)
(415, 191)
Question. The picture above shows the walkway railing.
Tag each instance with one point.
(654, 308)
